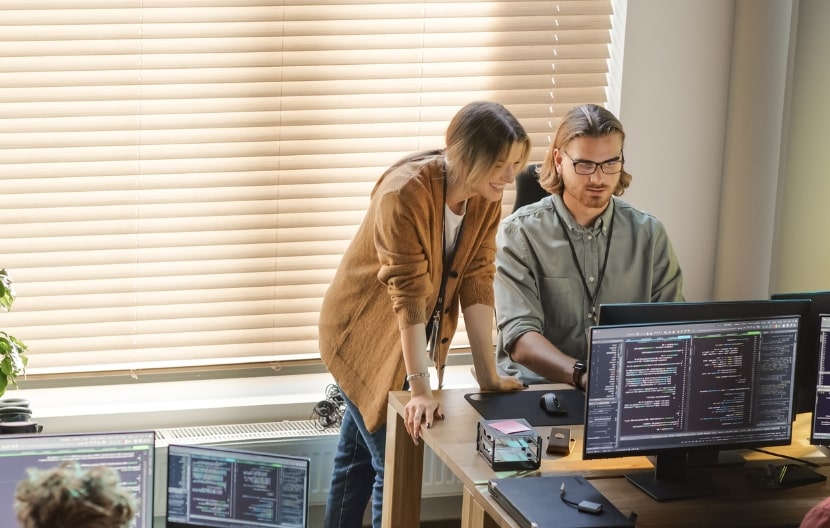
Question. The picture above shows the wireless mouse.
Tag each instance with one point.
(553, 404)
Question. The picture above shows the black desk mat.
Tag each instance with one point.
(525, 404)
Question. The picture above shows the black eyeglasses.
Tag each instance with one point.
(587, 168)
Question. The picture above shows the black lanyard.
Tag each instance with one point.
(595, 296)
(434, 325)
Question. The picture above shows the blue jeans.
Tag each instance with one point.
(358, 473)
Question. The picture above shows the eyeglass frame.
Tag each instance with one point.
(619, 159)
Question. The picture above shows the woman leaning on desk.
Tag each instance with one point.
(430, 228)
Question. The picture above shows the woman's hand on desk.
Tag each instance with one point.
(419, 412)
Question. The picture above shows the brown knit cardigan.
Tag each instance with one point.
(389, 279)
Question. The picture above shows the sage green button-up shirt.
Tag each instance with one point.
(538, 285)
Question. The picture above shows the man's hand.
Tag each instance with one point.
(510, 383)
(503, 383)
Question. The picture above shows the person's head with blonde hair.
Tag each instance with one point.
(69, 496)
(588, 121)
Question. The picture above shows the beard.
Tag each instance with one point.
(591, 201)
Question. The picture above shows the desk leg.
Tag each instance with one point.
(472, 514)
(403, 475)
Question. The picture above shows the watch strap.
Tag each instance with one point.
(579, 369)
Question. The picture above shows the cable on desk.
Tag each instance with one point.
(570, 503)
(583, 506)
(795, 459)
(589, 506)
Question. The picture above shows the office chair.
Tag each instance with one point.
(527, 188)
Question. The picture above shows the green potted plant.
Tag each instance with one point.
(12, 351)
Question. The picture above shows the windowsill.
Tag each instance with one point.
(185, 403)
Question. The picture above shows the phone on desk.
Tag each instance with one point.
(559, 442)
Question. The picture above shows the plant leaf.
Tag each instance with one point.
(7, 294)
(12, 351)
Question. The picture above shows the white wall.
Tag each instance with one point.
(755, 146)
(803, 251)
(726, 118)
(673, 107)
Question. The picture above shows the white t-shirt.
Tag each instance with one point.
(452, 223)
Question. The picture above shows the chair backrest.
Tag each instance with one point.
(527, 188)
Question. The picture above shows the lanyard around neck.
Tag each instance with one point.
(447, 257)
(592, 297)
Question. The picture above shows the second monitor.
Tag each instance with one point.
(674, 390)
(214, 486)
(664, 312)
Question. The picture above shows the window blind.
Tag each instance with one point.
(181, 177)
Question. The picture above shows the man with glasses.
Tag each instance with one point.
(559, 258)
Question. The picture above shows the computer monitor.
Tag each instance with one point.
(820, 430)
(667, 312)
(131, 453)
(806, 368)
(213, 486)
(676, 390)
(664, 312)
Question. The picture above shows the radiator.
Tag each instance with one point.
(299, 438)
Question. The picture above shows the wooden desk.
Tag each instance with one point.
(453, 441)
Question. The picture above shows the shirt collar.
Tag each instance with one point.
(601, 224)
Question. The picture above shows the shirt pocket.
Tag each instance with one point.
(561, 299)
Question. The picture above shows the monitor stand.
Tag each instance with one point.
(669, 480)
(783, 476)
(713, 457)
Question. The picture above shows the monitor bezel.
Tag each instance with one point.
(237, 452)
(824, 442)
(666, 311)
(147, 507)
(686, 450)
(807, 367)
(671, 311)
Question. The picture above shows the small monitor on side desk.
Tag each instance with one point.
(211, 486)
(806, 373)
(676, 390)
(130, 453)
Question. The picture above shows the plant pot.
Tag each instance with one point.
(15, 414)
(14, 402)
(20, 427)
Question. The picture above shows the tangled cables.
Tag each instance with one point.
(329, 412)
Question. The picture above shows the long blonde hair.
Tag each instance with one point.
(479, 135)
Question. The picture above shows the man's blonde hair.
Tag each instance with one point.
(587, 120)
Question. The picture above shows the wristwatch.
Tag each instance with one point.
(579, 369)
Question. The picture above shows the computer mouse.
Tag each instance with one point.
(553, 404)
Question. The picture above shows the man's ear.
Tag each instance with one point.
(557, 160)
